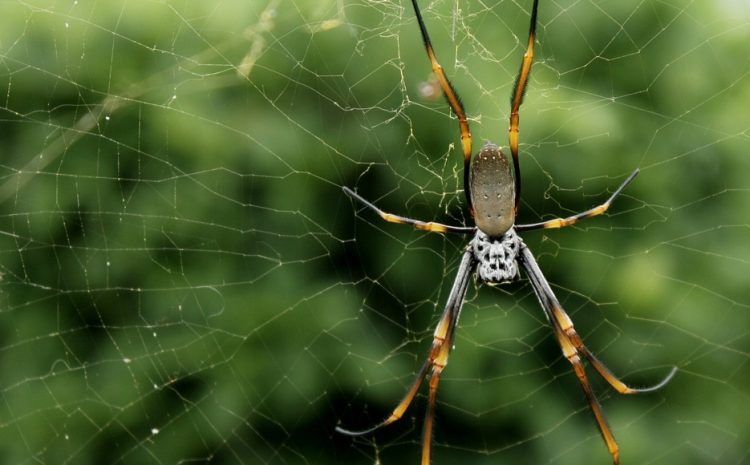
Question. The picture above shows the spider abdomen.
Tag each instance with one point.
(497, 258)
(492, 191)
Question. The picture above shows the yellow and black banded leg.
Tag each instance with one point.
(571, 220)
(572, 346)
(453, 100)
(422, 225)
(519, 89)
(437, 359)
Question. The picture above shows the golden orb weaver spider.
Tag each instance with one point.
(496, 252)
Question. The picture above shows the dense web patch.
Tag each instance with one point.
(182, 279)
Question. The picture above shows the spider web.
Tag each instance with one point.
(182, 279)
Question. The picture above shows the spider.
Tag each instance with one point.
(496, 252)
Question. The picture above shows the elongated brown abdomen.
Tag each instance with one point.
(492, 191)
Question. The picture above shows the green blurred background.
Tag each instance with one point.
(183, 280)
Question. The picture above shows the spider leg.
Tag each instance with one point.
(424, 226)
(437, 359)
(398, 412)
(572, 345)
(518, 92)
(453, 100)
(591, 212)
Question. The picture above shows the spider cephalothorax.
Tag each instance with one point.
(497, 258)
(496, 253)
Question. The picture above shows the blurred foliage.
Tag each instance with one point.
(183, 280)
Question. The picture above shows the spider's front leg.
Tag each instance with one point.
(442, 343)
(572, 346)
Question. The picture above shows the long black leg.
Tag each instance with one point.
(453, 100)
(436, 360)
(517, 99)
(572, 346)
